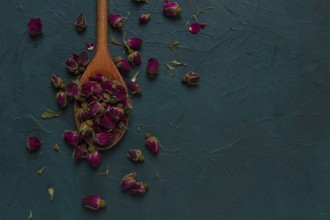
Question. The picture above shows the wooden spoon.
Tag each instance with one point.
(102, 62)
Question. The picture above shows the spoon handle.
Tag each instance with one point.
(102, 27)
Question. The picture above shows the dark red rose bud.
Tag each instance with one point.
(35, 26)
(81, 23)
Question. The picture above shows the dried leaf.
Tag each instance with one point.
(169, 67)
(106, 172)
(177, 63)
(115, 41)
(56, 148)
(51, 192)
(50, 114)
(41, 171)
(173, 45)
(30, 215)
(187, 24)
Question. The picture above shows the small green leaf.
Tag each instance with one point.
(115, 41)
(177, 63)
(50, 114)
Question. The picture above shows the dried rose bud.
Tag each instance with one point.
(119, 92)
(61, 99)
(58, 82)
(133, 87)
(152, 67)
(94, 157)
(134, 57)
(196, 27)
(93, 202)
(190, 78)
(90, 46)
(72, 138)
(105, 122)
(33, 143)
(128, 181)
(152, 143)
(72, 66)
(108, 85)
(87, 89)
(171, 8)
(144, 18)
(86, 129)
(95, 109)
(103, 138)
(139, 188)
(123, 65)
(116, 21)
(81, 23)
(135, 155)
(116, 114)
(80, 152)
(72, 90)
(83, 114)
(35, 26)
(134, 43)
(98, 77)
(83, 59)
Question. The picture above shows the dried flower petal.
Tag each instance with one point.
(135, 155)
(81, 23)
(134, 43)
(115, 41)
(61, 99)
(51, 192)
(56, 148)
(152, 143)
(191, 78)
(139, 188)
(128, 181)
(134, 57)
(50, 114)
(72, 138)
(171, 8)
(90, 46)
(35, 26)
(33, 143)
(152, 67)
(116, 21)
(123, 65)
(94, 157)
(144, 18)
(106, 172)
(196, 27)
(93, 202)
(58, 82)
(41, 171)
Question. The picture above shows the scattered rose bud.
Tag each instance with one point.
(134, 57)
(72, 66)
(83, 59)
(116, 21)
(134, 43)
(133, 87)
(80, 152)
(61, 99)
(72, 90)
(196, 27)
(81, 23)
(72, 138)
(90, 46)
(58, 82)
(190, 78)
(152, 67)
(139, 188)
(93, 202)
(33, 143)
(128, 181)
(94, 157)
(144, 18)
(77, 64)
(103, 138)
(123, 65)
(135, 155)
(152, 143)
(171, 8)
(35, 26)
(86, 129)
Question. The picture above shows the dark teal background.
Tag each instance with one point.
(251, 142)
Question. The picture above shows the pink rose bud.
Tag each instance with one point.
(139, 188)
(108, 85)
(103, 138)
(35, 26)
(86, 129)
(80, 152)
(93, 202)
(90, 46)
(94, 157)
(116, 114)
(61, 99)
(123, 65)
(72, 90)
(133, 87)
(134, 57)
(152, 67)
(106, 123)
(128, 181)
(135, 155)
(152, 143)
(33, 143)
(116, 21)
(98, 77)
(95, 109)
(83, 114)
(120, 93)
(81, 23)
(171, 8)
(196, 27)
(144, 18)
(72, 66)
(72, 138)
(83, 59)
(134, 43)
(58, 82)
(191, 78)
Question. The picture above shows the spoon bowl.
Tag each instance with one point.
(102, 63)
